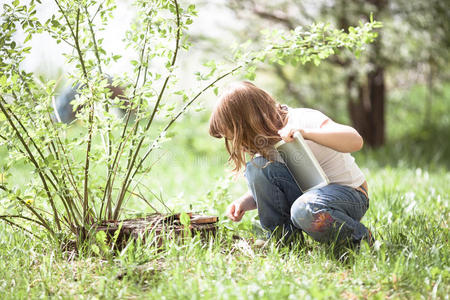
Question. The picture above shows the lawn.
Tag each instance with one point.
(409, 215)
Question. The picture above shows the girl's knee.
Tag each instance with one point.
(302, 212)
(308, 216)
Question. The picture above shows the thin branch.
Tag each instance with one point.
(33, 160)
(27, 88)
(116, 161)
(50, 147)
(97, 11)
(35, 146)
(177, 41)
(41, 218)
(156, 196)
(60, 37)
(75, 37)
(112, 175)
(94, 40)
(125, 182)
(68, 205)
(140, 179)
(108, 134)
(20, 227)
(22, 217)
(139, 195)
(182, 111)
(90, 118)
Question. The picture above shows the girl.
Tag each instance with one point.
(251, 122)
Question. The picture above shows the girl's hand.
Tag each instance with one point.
(287, 133)
(235, 211)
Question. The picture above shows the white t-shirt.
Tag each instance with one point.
(339, 167)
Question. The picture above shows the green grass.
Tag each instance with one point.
(409, 215)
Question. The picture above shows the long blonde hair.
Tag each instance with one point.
(249, 119)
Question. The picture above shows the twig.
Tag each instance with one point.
(139, 195)
(140, 179)
(20, 227)
(22, 217)
(111, 178)
(108, 133)
(97, 11)
(126, 182)
(41, 218)
(33, 160)
(179, 114)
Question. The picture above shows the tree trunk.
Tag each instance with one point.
(367, 111)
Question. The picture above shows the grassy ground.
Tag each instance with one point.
(409, 215)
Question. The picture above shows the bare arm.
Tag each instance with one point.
(237, 208)
(337, 136)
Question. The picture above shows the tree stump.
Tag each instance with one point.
(157, 227)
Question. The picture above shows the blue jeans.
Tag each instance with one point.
(328, 214)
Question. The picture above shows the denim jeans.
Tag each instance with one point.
(327, 214)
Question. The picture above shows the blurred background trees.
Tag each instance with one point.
(412, 48)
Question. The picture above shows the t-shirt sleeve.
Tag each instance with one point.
(308, 118)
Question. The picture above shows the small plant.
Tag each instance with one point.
(80, 180)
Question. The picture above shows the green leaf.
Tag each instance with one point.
(191, 7)
(27, 38)
(116, 233)
(95, 249)
(185, 219)
(100, 237)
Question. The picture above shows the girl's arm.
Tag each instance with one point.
(237, 208)
(336, 136)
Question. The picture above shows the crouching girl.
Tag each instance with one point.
(252, 122)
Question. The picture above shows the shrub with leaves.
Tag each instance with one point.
(79, 180)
